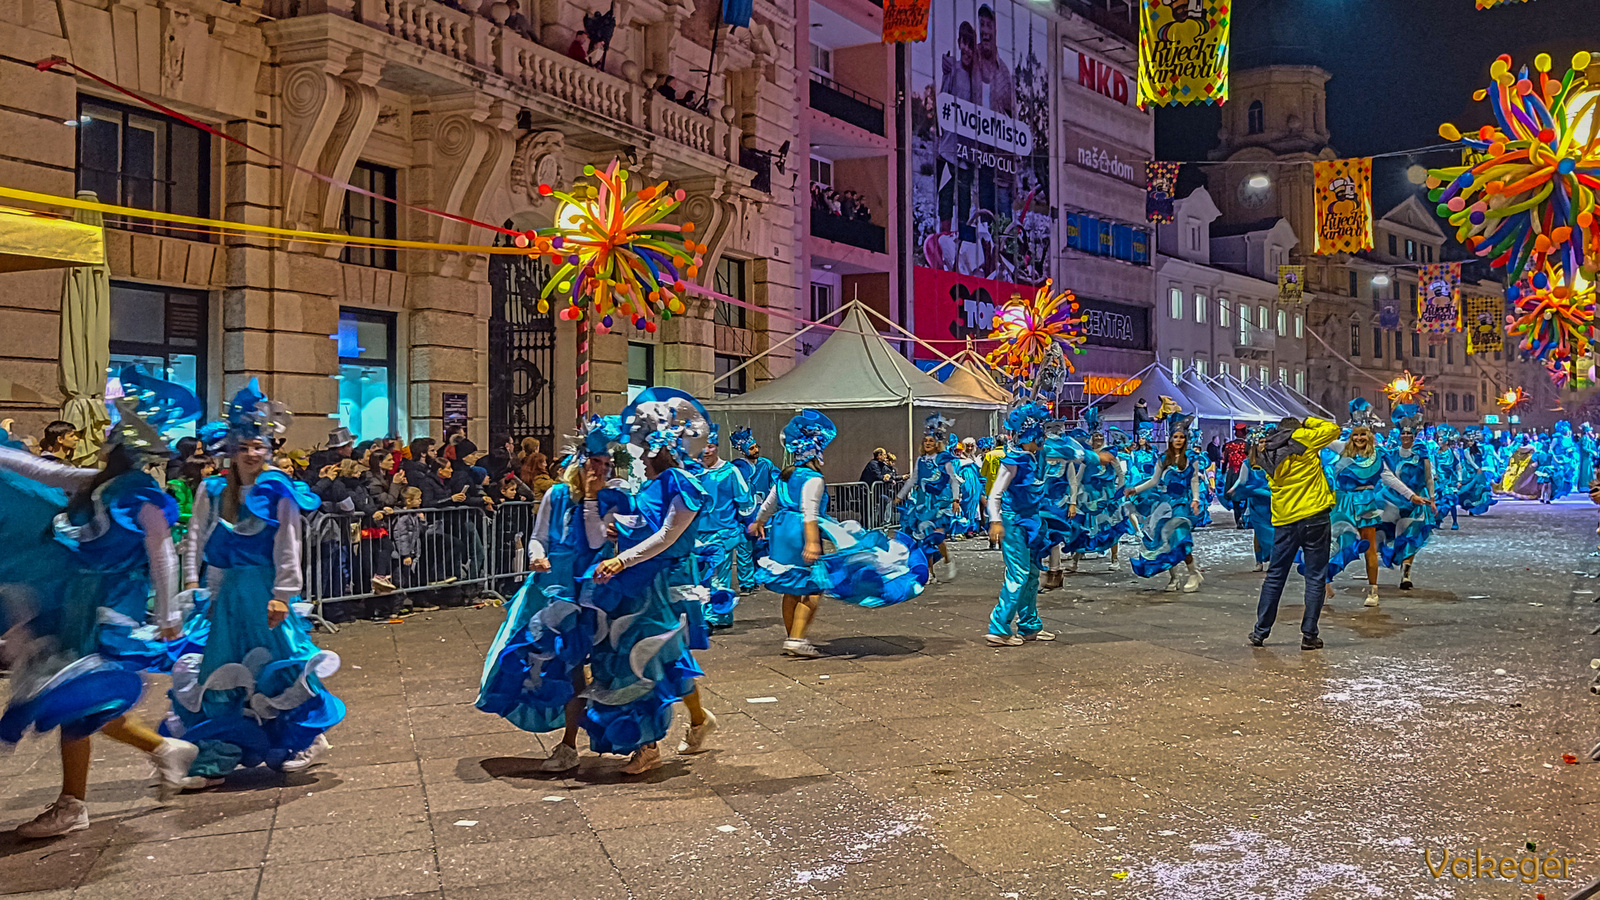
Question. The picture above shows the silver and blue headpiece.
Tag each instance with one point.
(1361, 414)
(148, 406)
(807, 435)
(742, 440)
(937, 427)
(663, 418)
(249, 416)
(985, 444)
(1025, 421)
(1407, 416)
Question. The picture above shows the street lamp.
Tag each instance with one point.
(1259, 182)
(1380, 280)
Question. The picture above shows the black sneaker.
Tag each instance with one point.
(1310, 643)
(1256, 641)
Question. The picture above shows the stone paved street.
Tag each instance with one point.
(1148, 753)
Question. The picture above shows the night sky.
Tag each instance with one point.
(1400, 67)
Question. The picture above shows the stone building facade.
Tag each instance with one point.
(462, 110)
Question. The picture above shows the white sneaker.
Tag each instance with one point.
(1002, 640)
(694, 737)
(1039, 636)
(1259, 568)
(947, 572)
(200, 783)
(308, 757)
(562, 759)
(1113, 566)
(1372, 595)
(172, 761)
(66, 815)
(1192, 583)
(1172, 580)
(800, 647)
(644, 759)
(1071, 567)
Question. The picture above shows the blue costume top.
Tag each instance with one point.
(1406, 527)
(927, 517)
(729, 496)
(759, 473)
(249, 541)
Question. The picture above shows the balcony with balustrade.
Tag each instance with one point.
(429, 48)
(1250, 342)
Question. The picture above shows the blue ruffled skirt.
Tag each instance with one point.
(865, 568)
(545, 639)
(926, 518)
(1404, 531)
(640, 665)
(1166, 539)
(1475, 496)
(254, 696)
(1352, 511)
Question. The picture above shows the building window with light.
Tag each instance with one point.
(1256, 118)
(1177, 368)
(1200, 366)
(1355, 339)
(1283, 323)
(641, 367)
(1222, 312)
(1283, 374)
(1194, 234)
(1411, 249)
(1222, 367)
(1175, 303)
(161, 332)
(1261, 375)
(366, 216)
(1200, 308)
(1300, 380)
(366, 373)
(733, 385)
(1299, 325)
(1244, 325)
(132, 157)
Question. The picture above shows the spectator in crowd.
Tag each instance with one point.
(518, 22)
(191, 472)
(457, 446)
(579, 48)
(668, 88)
(409, 530)
(60, 439)
(341, 445)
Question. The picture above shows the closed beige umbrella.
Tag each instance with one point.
(86, 343)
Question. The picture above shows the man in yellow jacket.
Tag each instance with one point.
(1301, 499)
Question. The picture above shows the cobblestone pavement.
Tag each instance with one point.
(1147, 753)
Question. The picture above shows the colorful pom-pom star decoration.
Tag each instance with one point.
(1530, 196)
(1554, 316)
(614, 254)
(1406, 388)
(1511, 399)
(1027, 328)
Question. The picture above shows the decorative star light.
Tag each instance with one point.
(1511, 399)
(613, 251)
(1405, 388)
(1028, 328)
(1554, 315)
(1531, 197)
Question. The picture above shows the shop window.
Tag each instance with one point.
(131, 157)
(367, 388)
(162, 333)
(366, 216)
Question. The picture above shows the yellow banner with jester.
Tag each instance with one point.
(1344, 205)
(1485, 4)
(1291, 285)
(1438, 297)
(1485, 324)
(1183, 51)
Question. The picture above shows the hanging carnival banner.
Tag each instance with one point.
(905, 21)
(1344, 205)
(1484, 321)
(1291, 284)
(1438, 297)
(1183, 51)
(1486, 4)
(1160, 187)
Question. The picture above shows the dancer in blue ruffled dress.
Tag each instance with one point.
(1447, 472)
(1477, 493)
(1359, 476)
(931, 497)
(1587, 448)
(1014, 523)
(1168, 505)
(255, 695)
(1410, 517)
(1251, 491)
(1141, 456)
(969, 468)
(1564, 461)
(1097, 486)
(759, 473)
(534, 674)
(722, 529)
(865, 567)
(650, 592)
(77, 579)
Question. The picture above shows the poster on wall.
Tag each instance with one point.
(950, 306)
(1485, 322)
(905, 21)
(980, 154)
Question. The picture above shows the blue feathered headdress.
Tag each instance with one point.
(742, 440)
(936, 426)
(663, 418)
(1026, 421)
(1361, 414)
(1407, 416)
(985, 444)
(1090, 420)
(148, 406)
(714, 436)
(249, 416)
(807, 435)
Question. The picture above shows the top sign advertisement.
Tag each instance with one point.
(1097, 75)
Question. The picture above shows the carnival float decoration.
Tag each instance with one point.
(1028, 328)
(1511, 400)
(1405, 388)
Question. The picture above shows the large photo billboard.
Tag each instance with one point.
(980, 154)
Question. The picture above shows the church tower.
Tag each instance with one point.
(1275, 114)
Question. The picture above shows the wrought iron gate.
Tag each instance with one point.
(521, 352)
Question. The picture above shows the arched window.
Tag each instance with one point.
(1257, 117)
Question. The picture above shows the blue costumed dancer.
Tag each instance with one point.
(1564, 461)
(722, 529)
(650, 592)
(75, 583)
(255, 695)
(1141, 456)
(1251, 491)
(969, 467)
(1097, 485)
(1476, 494)
(1014, 523)
(1409, 516)
(760, 474)
(1587, 448)
(931, 497)
(1447, 472)
(1168, 505)
(534, 674)
(865, 567)
(1359, 476)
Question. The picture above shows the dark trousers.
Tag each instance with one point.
(1309, 536)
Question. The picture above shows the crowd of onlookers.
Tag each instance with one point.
(394, 515)
(847, 205)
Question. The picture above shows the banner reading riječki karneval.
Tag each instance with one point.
(1344, 205)
(905, 21)
(1183, 51)
(1438, 297)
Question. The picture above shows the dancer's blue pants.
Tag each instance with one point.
(1019, 593)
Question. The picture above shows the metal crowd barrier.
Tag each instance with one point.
(345, 554)
(871, 505)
